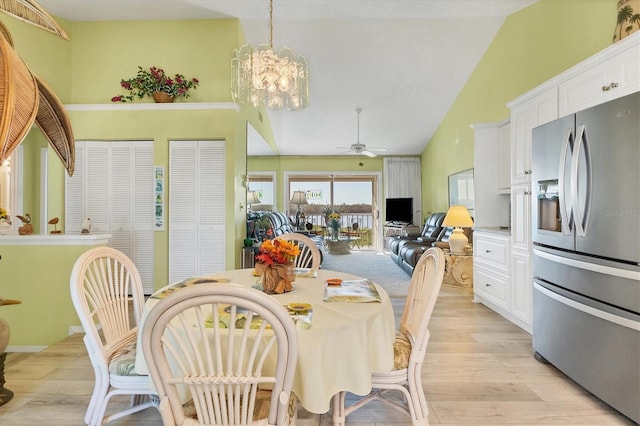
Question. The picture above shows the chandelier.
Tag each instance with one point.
(263, 76)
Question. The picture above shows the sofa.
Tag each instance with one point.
(278, 223)
(430, 232)
(407, 250)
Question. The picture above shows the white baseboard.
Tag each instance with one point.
(72, 330)
(75, 329)
(25, 348)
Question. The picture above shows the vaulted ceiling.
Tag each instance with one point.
(402, 61)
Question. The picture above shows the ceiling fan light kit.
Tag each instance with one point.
(262, 76)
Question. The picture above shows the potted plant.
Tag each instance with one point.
(275, 264)
(156, 83)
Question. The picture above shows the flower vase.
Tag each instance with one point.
(277, 279)
(334, 233)
(162, 98)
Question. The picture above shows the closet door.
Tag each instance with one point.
(196, 208)
(143, 212)
(113, 186)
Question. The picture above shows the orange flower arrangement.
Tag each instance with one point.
(277, 252)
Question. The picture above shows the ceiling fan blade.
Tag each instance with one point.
(369, 153)
(378, 149)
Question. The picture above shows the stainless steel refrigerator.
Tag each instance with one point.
(586, 255)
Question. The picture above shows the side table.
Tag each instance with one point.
(458, 271)
(5, 394)
(249, 256)
(340, 246)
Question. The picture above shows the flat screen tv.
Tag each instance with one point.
(399, 210)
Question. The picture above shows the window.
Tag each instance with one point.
(264, 183)
(354, 197)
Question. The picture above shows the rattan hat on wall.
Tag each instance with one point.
(18, 100)
(6, 34)
(54, 123)
(18, 106)
(29, 11)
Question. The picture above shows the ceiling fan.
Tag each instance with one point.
(360, 148)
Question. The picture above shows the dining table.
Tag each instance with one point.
(340, 341)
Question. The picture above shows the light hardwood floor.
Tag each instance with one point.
(479, 371)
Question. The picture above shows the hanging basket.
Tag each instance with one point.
(162, 98)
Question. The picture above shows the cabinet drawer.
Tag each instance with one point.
(491, 250)
(491, 286)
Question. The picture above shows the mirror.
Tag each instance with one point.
(256, 145)
(461, 190)
(261, 183)
(10, 192)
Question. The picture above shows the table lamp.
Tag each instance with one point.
(252, 198)
(299, 197)
(458, 217)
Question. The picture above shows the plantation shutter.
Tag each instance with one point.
(196, 208)
(113, 186)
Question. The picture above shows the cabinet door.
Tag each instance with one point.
(522, 287)
(524, 117)
(143, 212)
(520, 217)
(113, 186)
(196, 208)
(617, 77)
(504, 158)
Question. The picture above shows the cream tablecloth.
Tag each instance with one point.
(345, 343)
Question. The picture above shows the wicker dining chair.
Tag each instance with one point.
(106, 291)
(222, 354)
(409, 347)
(309, 256)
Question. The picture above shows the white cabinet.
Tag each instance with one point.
(610, 74)
(604, 81)
(524, 117)
(522, 284)
(504, 157)
(491, 173)
(390, 231)
(491, 282)
(521, 217)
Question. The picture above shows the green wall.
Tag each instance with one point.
(39, 278)
(532, 46)
(88, 68)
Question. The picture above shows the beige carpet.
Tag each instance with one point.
(378, 267)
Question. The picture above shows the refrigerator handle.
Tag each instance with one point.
(565, 209)
(580, 217)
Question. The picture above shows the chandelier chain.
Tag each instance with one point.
(271, 24)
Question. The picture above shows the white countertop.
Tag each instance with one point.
(54, 239)
(494, 230)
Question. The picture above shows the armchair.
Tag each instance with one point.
(430, 232)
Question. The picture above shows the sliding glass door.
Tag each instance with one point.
(353, 197)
